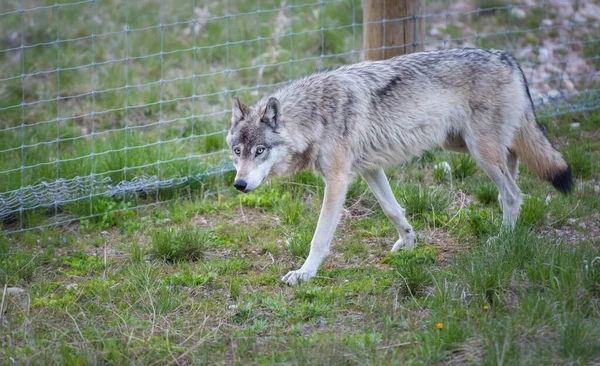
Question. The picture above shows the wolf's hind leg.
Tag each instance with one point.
(512, 162)
(380, 187)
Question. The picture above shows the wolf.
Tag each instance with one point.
(360, 118)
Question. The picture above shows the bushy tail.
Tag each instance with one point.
(538, 154)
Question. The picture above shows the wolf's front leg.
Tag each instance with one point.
(333, 202)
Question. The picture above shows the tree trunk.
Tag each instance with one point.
(392, 28)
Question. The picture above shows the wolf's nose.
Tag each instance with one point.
(240, 185)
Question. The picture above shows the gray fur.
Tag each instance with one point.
(363, 117)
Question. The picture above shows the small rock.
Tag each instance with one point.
(233, 307)
(553, 94)
(597, 189)
(14, 290)
(568, 85)
(547, 23)
(580, 18)
(434, 32)
(574, 125)
(72, 286)
(518, 13)
(544, 54)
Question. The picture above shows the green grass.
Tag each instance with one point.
(196, 280)
(169, 129)
(420, 201)
(523, 296)
(463, 165)
(487, 193)
(174, 245)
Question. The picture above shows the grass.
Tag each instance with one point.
(196, 279)
(139, 125)
(463, 166)
(420, 201)
(174, 245)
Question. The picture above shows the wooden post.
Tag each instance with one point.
(394, 29)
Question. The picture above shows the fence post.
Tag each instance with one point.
(391, 28)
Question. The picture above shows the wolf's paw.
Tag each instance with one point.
(294, 277)
(408, 243)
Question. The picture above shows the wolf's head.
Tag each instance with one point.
(257, 145)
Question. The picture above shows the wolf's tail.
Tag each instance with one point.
(538, 154)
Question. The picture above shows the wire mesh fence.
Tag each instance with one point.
(127, 101)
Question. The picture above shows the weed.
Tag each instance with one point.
(187, 278)
(533, 212)
(489, 269)
(440, 173)
(592, 276)
(592, 50)
(81, 263)
(482, 223)
(105, 213)
(174, 245)
(414, 268)
(463, 165)
(235, 289)
(299, 245)
(581, 161)
(355, 248)
(419, 200)
(576, 342)
(488, 4)
(292, 209)
(487, 193)
(19, 266)
(137, 253)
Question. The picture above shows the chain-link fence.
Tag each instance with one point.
(126, 101)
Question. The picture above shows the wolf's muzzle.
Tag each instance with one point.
(240, 185)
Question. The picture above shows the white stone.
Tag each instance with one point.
(445, 166)
(518, 13)
(568, 85)
(434, 32)
(544, 54)
(553, 94)
(14, 290)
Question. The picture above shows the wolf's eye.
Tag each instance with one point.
(237, 151)
(260, 150)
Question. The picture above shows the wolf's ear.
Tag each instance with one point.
(238, 110)
(272, 112)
